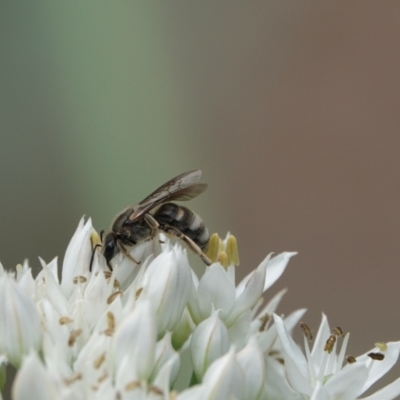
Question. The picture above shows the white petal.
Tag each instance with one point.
(135, 339)
(224, 378)
(77, 257)
(167, 284)
(251, 360)
(348, 382)
(215, 288)
(276, 386)
(380, 368)
(389, 392)
(295, 362)
(322, 336)
(209, 341)
(163, 354)
(20, 329)
(275, 268)
(250, 294)
(32, 383)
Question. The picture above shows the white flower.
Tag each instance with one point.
(321, 374)
(20, 329)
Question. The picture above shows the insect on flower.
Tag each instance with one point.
(136, 224)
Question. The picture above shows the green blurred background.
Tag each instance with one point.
(291, 109)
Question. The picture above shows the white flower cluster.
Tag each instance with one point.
(129, 334)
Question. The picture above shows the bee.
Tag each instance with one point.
(136, 223)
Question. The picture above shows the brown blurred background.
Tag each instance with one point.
(290, 108)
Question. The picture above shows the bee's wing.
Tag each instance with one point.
(183, 187)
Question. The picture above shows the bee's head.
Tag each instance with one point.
(110, 248)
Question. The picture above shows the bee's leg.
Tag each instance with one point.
(92, 257)
(153, 224)
(171, 231)
(125, 252)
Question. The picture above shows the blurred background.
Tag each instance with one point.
(291, 109)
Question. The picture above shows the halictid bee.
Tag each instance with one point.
(136, 224)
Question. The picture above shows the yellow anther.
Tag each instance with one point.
(382, 346)
(223, 259)
(213, 247)
(110, 320)
(232, 251)
(132, 385)
(99, 360)
(95, 239)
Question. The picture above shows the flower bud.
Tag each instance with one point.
(19, 322)
(210, 341)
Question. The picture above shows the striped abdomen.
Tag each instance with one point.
(185, 221)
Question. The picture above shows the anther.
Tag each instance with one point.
(65, 320)
(113, 296)
(95, 239)
(138, 293)
(110, 320)
(306, 331)
(73, 335)
(232, 250)
(99, 360)
(351, 359)
(264, 320)
(156, 390)
(382, 346)
(376, 356)
(73, 378)
(223, 259)
(213, 247)
(338, 331)
(330, 343)
(132, 386)
(107, 274)
(79, 279)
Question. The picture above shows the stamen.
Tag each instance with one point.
(376, 356)
(99, 360)
(264, 320)
(75, 377)
(382, 346)
(138, 293)
(65, 320)
(306, 331)
(213, 247)
(338, 331)
(131, 386)
(342, 353)
(156, 390)
(113, 296)
(117, 285)
(107, 274)
(73, 335)
(110, 320)
(95, 239)
(330, 343)
(351, 359)
(223, 259)
(79, 279)
(232, 251)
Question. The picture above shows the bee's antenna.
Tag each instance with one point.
(101, 235)
(92, 257)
